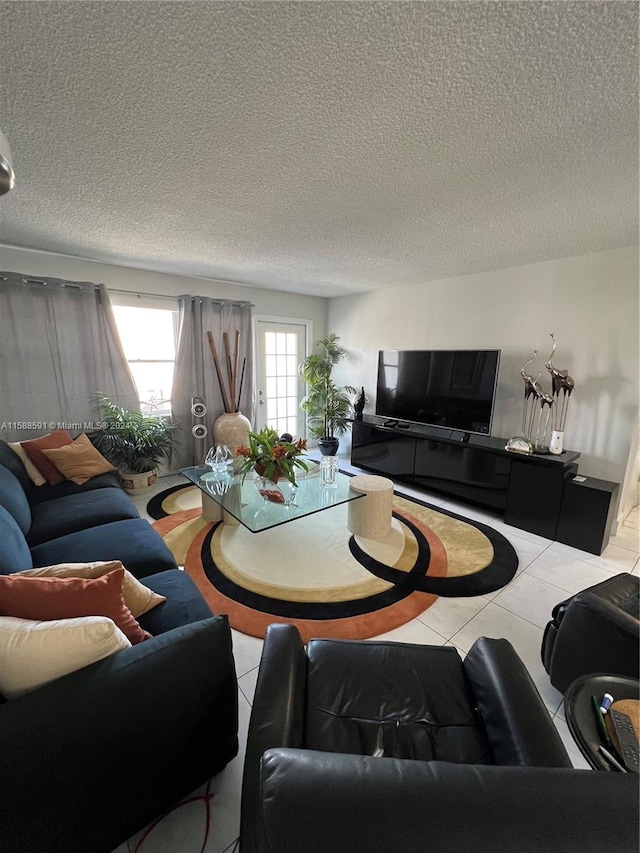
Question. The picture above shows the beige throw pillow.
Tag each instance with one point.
(34, 653)
(78, 461)
(138, 597)
(36, 477)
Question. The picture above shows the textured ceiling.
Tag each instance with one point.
(321, 147)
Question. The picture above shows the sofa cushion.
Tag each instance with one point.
(35, 446)
(184, 602)
(14, 551)
(33, 653)
(14, 500)
(138, 597)
(132, 541)
(34, 475)
(79, 461)
(66, 487)
(66, 598)
(12, 461)
(64, 515)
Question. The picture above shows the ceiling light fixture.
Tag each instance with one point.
(7, 176)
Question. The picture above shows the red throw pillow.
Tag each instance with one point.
(44, 599)
(34, 447)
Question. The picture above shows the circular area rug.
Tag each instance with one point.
(315, 574)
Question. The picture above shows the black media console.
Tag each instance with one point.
(527, 490)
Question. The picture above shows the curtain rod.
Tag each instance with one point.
(235, 302)
(75, 285)
(79, 285)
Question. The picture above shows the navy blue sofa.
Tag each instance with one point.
(91, 758)
(66, 523)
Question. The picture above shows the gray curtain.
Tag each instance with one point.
(195, 372)
(59, 345)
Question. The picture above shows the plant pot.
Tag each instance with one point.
(328, 446)
(138, 484)
(232, 429)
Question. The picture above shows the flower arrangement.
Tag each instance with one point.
(272, 457)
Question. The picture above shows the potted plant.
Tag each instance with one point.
(326, 405)
(272, 457)
(135, 443)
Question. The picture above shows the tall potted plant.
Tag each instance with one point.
(135, 443)
(326, 404)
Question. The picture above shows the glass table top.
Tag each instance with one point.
(243, 500)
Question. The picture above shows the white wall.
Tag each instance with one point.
(271, 302)
(590, 302)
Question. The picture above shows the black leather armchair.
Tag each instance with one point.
(597, 630)
(360, 746)
(318, 802)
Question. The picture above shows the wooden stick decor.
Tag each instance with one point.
(244, 364)
(230, 401)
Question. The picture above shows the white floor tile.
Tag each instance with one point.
(613, 559)
(567, 574)
(527, 550)
(246, 652)
(577, 758)
(247, 684)
(448, 615)
(413, 632)
(529, 597)
(627, 537)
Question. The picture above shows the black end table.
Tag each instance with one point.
(580, 716)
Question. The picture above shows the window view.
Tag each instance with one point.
(148, 337)
(281, 381)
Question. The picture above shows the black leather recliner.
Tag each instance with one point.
(362, 746)
(597, 630)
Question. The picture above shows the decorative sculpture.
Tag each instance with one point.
(358, 405)
(532, 393)
(535, 399)
(560, 382)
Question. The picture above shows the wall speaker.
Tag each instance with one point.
(198, 411)
(198, 407)
(199, 431)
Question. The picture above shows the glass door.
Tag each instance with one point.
(280, 347)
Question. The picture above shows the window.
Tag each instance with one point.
(148, 338)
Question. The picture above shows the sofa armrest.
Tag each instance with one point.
(316, 802)
(277, 715)
(519, 728)
(91, 758)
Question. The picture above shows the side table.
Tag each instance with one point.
(580, 716)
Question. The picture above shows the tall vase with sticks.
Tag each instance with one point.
(231, 428)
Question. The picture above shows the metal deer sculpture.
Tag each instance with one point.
(560, 382)
(532, 394)
(541, 431)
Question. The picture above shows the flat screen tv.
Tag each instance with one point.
(453, 389)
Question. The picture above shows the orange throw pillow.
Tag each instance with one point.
(78, 461)
(44, 599)
(34, 447)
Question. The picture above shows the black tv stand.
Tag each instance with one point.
(471, 467)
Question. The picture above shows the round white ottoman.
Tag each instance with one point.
(370, 516)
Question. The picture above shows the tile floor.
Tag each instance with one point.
(548, 572)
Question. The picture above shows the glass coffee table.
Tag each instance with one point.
(235, 500)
